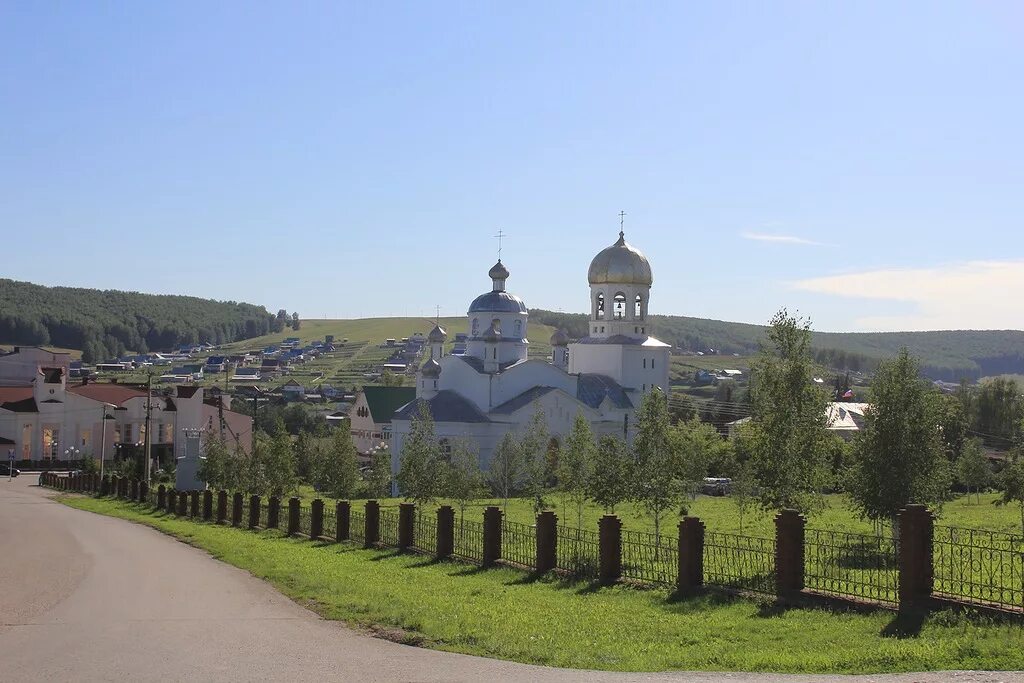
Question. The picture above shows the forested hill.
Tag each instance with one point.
(106, 323)
(946, 355)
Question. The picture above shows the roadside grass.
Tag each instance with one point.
(721, 514)
(507, 614)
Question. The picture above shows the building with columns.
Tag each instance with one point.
(495, 387)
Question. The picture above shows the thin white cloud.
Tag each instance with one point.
(778, 239)
(977, 295)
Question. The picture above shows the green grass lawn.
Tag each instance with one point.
(501, 613)
(722, 514)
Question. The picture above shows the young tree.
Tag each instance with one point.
(378, 478)
(576, 465)
(274, 473)
(506, 472)
(696, 444)
(743, 489)
(1012, 482)
(464, 482)
(217, 463)
(295, 322)
(899, 457)
(611, 475)
(335, 469)
(419, 469)
(790, 420)
(533, 452)
(656, 485)
(972, 468)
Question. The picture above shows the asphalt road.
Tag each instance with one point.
(92, 598)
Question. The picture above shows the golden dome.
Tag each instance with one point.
(620, 264)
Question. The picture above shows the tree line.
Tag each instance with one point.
(105, 324)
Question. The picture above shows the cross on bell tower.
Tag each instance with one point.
(500, 236)
(622, 223)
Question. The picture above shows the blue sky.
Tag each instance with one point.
(862, 163)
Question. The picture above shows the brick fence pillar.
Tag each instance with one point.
(789, 552)
(316, 519)
(492, 535)
(193, 504)
(274, 513)
(172, 501)
(182, 503)
(610, 543)
(547, 541)
(161, 497)
(237, 501)
(254, 511)
(207, 505)
(222, 506)
(406, 525)
(343, 518)
(445, 532)
(371, 533)
(916, 529)
(293, 516)
(691, 556)
(143, 492)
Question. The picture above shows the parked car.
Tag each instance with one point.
(7, 470)
(716, 486)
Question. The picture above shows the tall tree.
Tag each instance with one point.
(533, 446)
(972, 468)
(790, 420)
(696, 444)
(506, 472)
(898, 457)
(295, 322)
(335, 469)
(420, 466)
(576, 465)
(611, 475)
(464, 481)
(656, 485)
(1011, 481)
(378, 478)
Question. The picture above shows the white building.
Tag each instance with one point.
(494, 387)
(44, 417)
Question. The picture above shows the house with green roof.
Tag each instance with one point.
(371, 415)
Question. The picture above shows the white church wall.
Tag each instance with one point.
(528, 375)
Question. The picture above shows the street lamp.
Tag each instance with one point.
(71, 453)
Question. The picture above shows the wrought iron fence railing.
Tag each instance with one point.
(469, 541)
(388, 527)
(519, 544)
(859, 566)
(305, 519)
(650, 558)
(424, 535)
(357, 526)
(982, 567)
(578, 552)
(739, 562)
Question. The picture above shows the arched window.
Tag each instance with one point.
(599, 309)
(519, 328)
(638, 309)
(446, 448)
(475, 329)
(619, 306)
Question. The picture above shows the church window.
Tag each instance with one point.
(652, 364)
(475, 330)
(446, 448)
(599, 311)
(645, 363)
(619, 306)
(645, 387)
(494, 354)
(602, 329)
(638, 309)
(595, 329)
(519, 328)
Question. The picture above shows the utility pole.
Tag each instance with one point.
(103, 438)
(149, 414)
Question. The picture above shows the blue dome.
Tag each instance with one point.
(497, 302)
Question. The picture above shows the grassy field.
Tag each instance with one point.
(722, 514)
(501, 613)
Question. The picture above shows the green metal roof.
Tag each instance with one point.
(384, 401)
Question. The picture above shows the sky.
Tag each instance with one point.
(859, 163)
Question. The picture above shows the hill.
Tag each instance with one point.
(105, 323)
(948, 355)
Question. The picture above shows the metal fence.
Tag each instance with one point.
(650, 558)
(981, 567)
(578, 552)
(305, 519)
(739, 562)
(389, 527)
(330, 526)
(859, 566)
(357, 526)
(469, 541)
(424, 535)
(519, 544)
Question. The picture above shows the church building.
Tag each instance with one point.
(494, 387)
